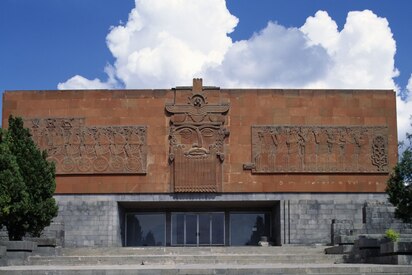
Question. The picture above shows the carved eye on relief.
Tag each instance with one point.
(186, 134)
(208, 132)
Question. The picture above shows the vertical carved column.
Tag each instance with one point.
(196, 139)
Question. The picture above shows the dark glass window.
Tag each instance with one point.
(247, 228)
(145, 229)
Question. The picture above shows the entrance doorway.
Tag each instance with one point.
(192, 224)
(198, 229)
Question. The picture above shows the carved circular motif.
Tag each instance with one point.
(68, 164)
(100, 164)
(133, 164)
(116, 164)
(84, 164)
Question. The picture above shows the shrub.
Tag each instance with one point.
(392, 235)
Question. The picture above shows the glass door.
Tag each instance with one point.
(195, 229)
(191, 228)
(204, 229)
(218, 228)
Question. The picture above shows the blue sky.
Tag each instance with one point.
(47, 42)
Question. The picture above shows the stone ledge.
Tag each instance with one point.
(392, 259)
(345, 239)
(341, 249)
(19, 246)
(396, 248)
(43, 242)
(366, 242)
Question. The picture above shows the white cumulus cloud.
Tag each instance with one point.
(404, 111)
(274, 57)
(80, 82)
(362, 53)
(167, 43)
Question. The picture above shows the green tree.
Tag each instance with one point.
(13, 196)
(39, 179)
(399, 187)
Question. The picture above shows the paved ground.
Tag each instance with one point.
(200, 266)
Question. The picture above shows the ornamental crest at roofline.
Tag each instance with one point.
(197, 111)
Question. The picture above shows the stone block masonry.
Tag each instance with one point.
(89, 221)
(95, 220)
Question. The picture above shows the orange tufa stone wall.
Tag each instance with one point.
(237, 170)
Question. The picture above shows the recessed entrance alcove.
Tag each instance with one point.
(198, 223)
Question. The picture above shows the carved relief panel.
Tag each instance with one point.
(319, 149)
(79, 149)
(196, 139)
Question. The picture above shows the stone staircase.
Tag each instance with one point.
(196, 260)
(373, 248)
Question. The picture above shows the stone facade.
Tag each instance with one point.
(248, 108)
(306, 157)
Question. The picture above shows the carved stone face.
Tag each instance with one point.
(197, 143)
(196, 140)
(189, 137)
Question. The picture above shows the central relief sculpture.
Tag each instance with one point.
(196, 140)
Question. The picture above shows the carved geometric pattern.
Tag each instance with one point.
(319, 149)
(196, 139)
(79, 149)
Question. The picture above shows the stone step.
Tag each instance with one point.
(192, 250)
(211, 259)
(336, 269)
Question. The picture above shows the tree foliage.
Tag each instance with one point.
(13, 196)
(399, 186)
(29, 183)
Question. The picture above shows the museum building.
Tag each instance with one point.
(204, 166)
